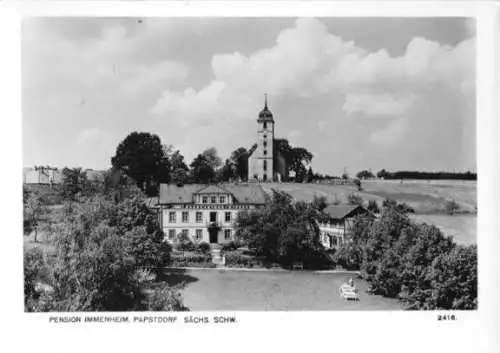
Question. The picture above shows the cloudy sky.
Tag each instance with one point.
(358, 93)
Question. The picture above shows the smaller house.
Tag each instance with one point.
(339, 224)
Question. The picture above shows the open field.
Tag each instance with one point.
(428, 199)
(462, 228)
(214, 290)
(425, 197)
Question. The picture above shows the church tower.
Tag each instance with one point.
(263, 166)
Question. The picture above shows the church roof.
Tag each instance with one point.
(265, 114)
(242, 193)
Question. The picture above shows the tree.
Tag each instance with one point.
(118, 186)
(202, 170)
(34, 209)
(239, 159)
(345, 176)
(453, 278)
(177, 161)
(373, 206)
(227, 172)
(74, 182)
(295, 157)
(142, 157)
(383, 174)
(310, 175)
(100, 249)
(283, 232)
(212, 158)
(179, 176)
(365, 174)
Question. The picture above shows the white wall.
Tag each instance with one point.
(192, 225)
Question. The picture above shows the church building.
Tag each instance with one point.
(266, 162)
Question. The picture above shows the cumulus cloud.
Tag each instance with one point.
(384, 104)
(307, 60)
(135, 73)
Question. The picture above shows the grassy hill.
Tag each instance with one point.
(425, 197)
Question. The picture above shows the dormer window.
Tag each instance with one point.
(204, 199)
(222, 199)
(213, 199)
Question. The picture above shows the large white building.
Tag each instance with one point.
(205, 213)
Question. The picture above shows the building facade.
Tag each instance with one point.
(339, 225)
(205, 213)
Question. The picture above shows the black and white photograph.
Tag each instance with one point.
(249, 164)
(212, 175)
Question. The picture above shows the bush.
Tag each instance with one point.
(203, 248)
(398, 206)
(354, 200)
(451, 207)
(184, 243)
(191, 260)
(319, 260)
(232, 245)
(34, 272)
(238, 259)
(147, 249)
(165, 299)
(349, 256)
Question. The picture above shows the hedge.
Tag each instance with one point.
(237, 259)
(191, 260)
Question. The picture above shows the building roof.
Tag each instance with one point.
(265, 114)
(247, 193)
(343, 211)
(242, 193)
(212, 189)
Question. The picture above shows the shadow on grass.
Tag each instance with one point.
(176, 277)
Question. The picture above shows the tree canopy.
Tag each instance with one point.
(202, 170)
(283, 232)
(142, 157)
(296, 158)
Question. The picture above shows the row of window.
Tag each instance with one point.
(198, 234)
(213, 199)
(199, 217)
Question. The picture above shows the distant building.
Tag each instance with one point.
(340, 224)
(205, 213)
(42, 176)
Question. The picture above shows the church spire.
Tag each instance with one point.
(265, 102)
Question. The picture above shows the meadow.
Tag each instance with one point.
(427, 198)
(220, 290)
